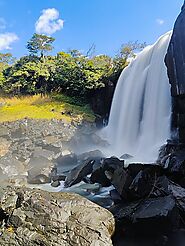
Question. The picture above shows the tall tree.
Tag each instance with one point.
(40, 44)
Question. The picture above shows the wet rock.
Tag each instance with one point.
(179, 194)
(115, 196)
(147, 217)
(112, 163)
(102, 168)
(78, 173)
(55, 183)
(121, 181)
(125, 156)
(136, 181)
(99, 176)
(38, 217)
(39, 170)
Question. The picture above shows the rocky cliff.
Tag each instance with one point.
(175, 62)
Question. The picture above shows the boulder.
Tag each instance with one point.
(104, 169)
(148, 216)
(99, 176)
(35, 217)
(78, 173)
(137, 181)
(39, 170)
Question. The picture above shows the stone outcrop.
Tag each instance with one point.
(175, 60)
(34, 217)
(101, 102)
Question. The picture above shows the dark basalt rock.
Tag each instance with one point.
(98, 176)
(112, 163)
(136, 181)
(149, 216)
(175, 60)
(175, 57)
(172, 159)
(104, 171)
(101, 102)
(78, 173)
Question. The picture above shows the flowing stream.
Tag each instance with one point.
(139, 120)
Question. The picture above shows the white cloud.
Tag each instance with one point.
(2, 23)
(49, 22)
(6, 39)
(160, 21)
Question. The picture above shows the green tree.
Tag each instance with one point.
(40, 44)
(129, 49)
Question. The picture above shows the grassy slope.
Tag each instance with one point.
(37, 107)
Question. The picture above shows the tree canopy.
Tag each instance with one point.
(72, 73)
(40, 44)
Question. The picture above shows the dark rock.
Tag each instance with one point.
(141, 185)
(179, 194)
(55, 183)
(175, 60)
(112, 163)
(177, 162)
(126, 156)
(107, 165)
(115, 196)
(102, 99)
(154, 207)
(98, 176)
(149, 216)
(136, 181)
(55, 176)
(78, 173)
(121, 181)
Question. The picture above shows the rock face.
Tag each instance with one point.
(175, 60)
(35, 217)
(101, 102)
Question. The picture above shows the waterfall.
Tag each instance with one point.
(139, 121)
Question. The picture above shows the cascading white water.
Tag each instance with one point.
(139, 120)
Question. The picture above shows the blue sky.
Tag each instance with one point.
(80, 23)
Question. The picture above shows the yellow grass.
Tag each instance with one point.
(37, 107)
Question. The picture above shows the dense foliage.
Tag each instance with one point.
(71, 73)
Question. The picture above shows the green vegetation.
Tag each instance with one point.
(71, 74)
(37, 107)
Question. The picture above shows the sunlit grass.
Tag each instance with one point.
(37, 107)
